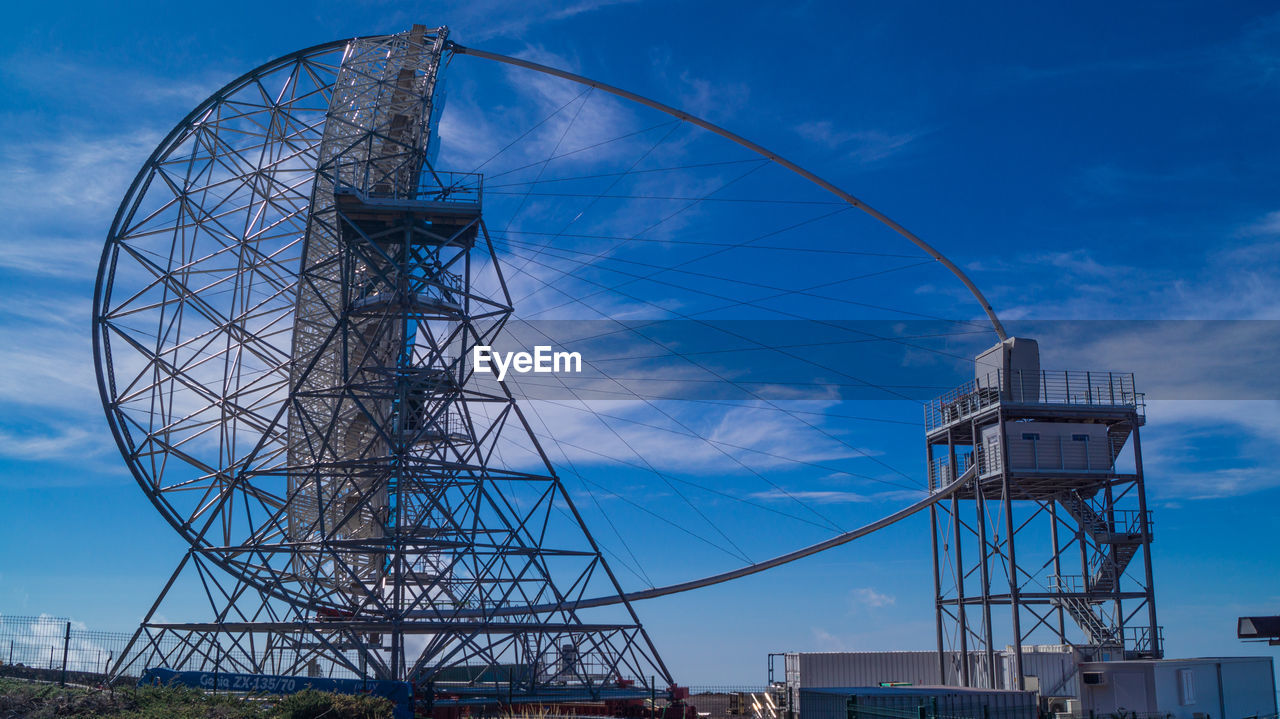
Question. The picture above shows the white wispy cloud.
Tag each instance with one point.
(815, 496)
(70, 258)
(99, 86)
(859, 145)
(1232, 277)
(489, 19)
(868, 597)
(71, 181)
(670, 436)
(1268, 226)
(50, 367)
(61, 193)
(1210, 449)
(824, 640)
(56, 444)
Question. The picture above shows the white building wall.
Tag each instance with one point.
(1187, 689)
(1217, 687)
(820, 670)
(1126, 686)
(1053, 665)
(1249, 687)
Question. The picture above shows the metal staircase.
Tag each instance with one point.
(1117, 539)
(1098, 630)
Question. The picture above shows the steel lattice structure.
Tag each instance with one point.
(311, 428)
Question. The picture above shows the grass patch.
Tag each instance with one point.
(31, 700)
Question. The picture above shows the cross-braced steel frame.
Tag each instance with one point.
(285, 306)
(1052, 543)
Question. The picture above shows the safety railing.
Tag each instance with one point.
(1097, 522)
(1126, 521)
(424, 285)
(1057, 387)
(1143, 639)
(389, 179)
(940, 472)
(1066, 583)
(960, 403)
(1074, 387)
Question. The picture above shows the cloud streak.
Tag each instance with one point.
(864, 146)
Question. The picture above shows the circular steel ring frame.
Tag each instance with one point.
(195, 298)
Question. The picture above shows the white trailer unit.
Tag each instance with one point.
(1217, 687)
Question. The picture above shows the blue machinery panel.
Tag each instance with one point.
(400, 693)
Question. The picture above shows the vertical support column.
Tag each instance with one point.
(980, 504)
(1057, 567)
(1014, 603)
(1082, 539)
(397, 650)
(961, 610)
(1156, 649)
(937, 575)
(66, 646)
(1110, 564)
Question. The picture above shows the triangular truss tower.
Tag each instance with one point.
(399, 543)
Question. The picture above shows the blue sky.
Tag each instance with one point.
(1082, 164)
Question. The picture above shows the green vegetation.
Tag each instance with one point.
(47, 701)
(311, 704)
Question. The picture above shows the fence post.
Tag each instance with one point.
(653, 697)
(66, 644)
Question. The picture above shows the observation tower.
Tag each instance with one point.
(1048, 533)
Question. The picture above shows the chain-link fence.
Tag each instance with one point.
(59, 649)
(735, 702)
(45, 647)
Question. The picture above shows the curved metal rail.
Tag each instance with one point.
(681, 114)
